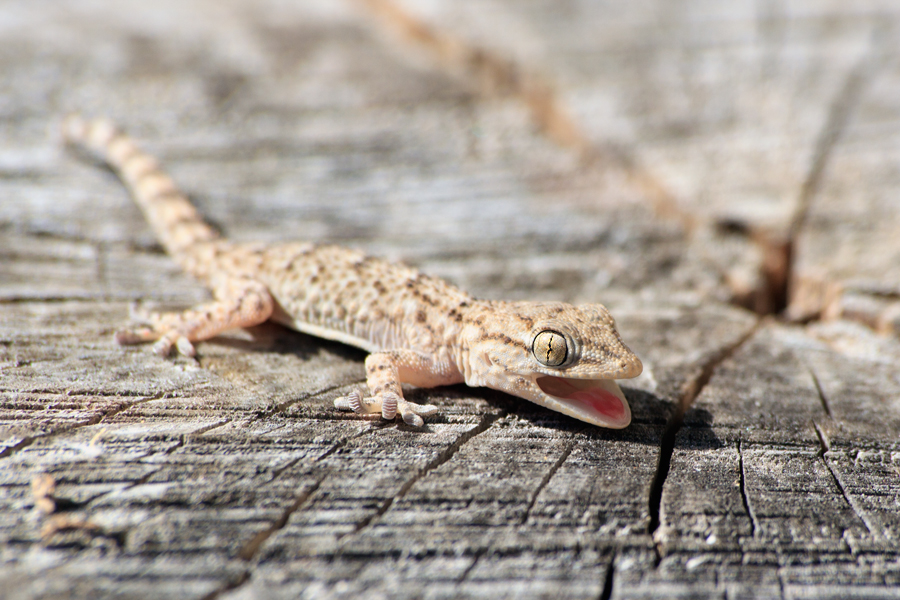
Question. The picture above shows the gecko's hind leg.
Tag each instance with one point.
(239, 302)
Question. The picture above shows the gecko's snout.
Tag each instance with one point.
(630, 366)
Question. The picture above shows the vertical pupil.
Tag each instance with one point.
(550, 348)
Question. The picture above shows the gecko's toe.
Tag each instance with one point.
(411, 418)
(424, 410)
(185, 347)
(389, 403)
(124, 337)
(352, 401)
(135, 335)
(342, 403)
(173, 339)
(163, 346)
(412, 413)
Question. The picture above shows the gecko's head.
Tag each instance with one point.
(560, 356)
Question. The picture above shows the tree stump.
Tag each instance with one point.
(722, 176)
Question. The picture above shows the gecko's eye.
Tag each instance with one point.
(549, 348)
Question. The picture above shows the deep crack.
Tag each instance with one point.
(847, 99)
(666, 449)
(745, 499)
(607, 591)
(667, 441)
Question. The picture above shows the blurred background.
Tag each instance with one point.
(741, 151)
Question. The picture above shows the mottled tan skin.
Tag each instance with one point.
(418, 329)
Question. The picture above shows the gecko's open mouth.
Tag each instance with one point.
(597, 401)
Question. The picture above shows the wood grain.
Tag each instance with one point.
(679, 162)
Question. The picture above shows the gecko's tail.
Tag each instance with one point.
(176, 222)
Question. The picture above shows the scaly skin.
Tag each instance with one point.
(418, 329)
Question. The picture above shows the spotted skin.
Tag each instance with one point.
(418, 329)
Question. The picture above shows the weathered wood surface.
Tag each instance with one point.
(672, 160)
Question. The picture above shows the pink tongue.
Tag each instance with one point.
(598, 399)
(601, 401)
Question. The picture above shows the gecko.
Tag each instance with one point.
(417, 329)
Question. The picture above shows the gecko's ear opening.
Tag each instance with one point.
(597, 401)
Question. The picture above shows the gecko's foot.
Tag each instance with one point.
(163, 346)
(412, 413)
(134, 335)
(163, 343)
(388, 404)
(385, 403)
(352, 401)
(356, 403)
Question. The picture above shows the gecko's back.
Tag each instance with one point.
(342, 294)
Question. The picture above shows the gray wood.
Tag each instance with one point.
(655, 157)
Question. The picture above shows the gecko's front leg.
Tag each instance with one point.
(385, 371)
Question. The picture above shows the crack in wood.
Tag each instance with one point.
(205, 429)
(608, 580)
(24, 442)
(667, 442)
(29, 440)
(822, 397)
(251, 548)
(228, 586)
(129, 406)
(825, 448)
(745, 498)
(847, 100)
(666, 449)
(546, 479)
(439, 460)
(779, 289)
(74, 297)
(84, 393)
(465, 574)
(781, 585)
